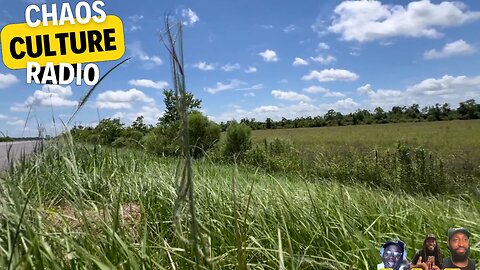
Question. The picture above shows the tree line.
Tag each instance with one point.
(467, 110)
(163, 138)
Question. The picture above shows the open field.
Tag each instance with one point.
(79, 207)
(69, 220)
(445, 136)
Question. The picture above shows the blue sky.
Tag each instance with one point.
(261, 59)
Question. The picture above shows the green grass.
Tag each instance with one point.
(445, 136)
(266, 221)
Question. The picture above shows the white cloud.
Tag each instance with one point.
(234, 84)
(251, 70)
(370, 20)
(16, 123)
(327, 75)
(133, 20)
(253, 87)
(2, 116)
(347, 103)
(7, 80)
(334, 94)
(121, 99)
(204, 66)
(459, 47)
(149, 84)
(299, 62)
(315, 89)
(190, 17)
(150, 61)
(447, 85)
(320, 90)
(49, 96)
(289, 95)
(150, 113)
(229, 67)
(323, 46)
(324, 60)
(266, 26)
(266, 109)
(269, 56)
(367, 88)
(447, 89)
(289, 28)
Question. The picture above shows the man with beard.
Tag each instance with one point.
(459, 246)
(393, 255)
(429, 257)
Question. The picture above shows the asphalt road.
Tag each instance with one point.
(16, 149)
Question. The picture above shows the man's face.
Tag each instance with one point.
(459, 246)
(392, 257)
(431, 243)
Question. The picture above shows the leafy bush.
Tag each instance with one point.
(238, 140)
(204, 133)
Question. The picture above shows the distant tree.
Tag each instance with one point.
(171, 113)
(469, 109)
(269, 123)
(238, 140)
(108, 130)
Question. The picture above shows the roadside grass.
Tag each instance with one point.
(70, 207)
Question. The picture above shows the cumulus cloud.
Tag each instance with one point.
(230, 67)
(120, 99)
(269, 56)
(327, 75)
(449, 89)
(2, 116)
(49, 96)
(446, 85)
(6, 80)
(324, 60)
(459, 47)
(219, 87)
(149, 83)
(204, 66)
(251, 70)
(290, 96)
(365, 89)
(299, 62)
(370, 20)
(323, 46)
(189, 16)
(150, 113)
(347, 103)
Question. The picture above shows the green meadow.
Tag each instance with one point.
(91, 207)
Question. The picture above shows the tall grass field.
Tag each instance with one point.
(79, 206)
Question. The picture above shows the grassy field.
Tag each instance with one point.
(77, 207)
(446, 136)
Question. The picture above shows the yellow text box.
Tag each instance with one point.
(68, 43)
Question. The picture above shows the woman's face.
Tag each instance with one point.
(392, 257)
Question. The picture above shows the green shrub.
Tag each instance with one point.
(204, 133)
(238, 140)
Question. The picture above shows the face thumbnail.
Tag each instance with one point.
(459, 246)
(392, 256)
(431, 243)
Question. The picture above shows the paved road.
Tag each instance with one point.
(16, 151)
